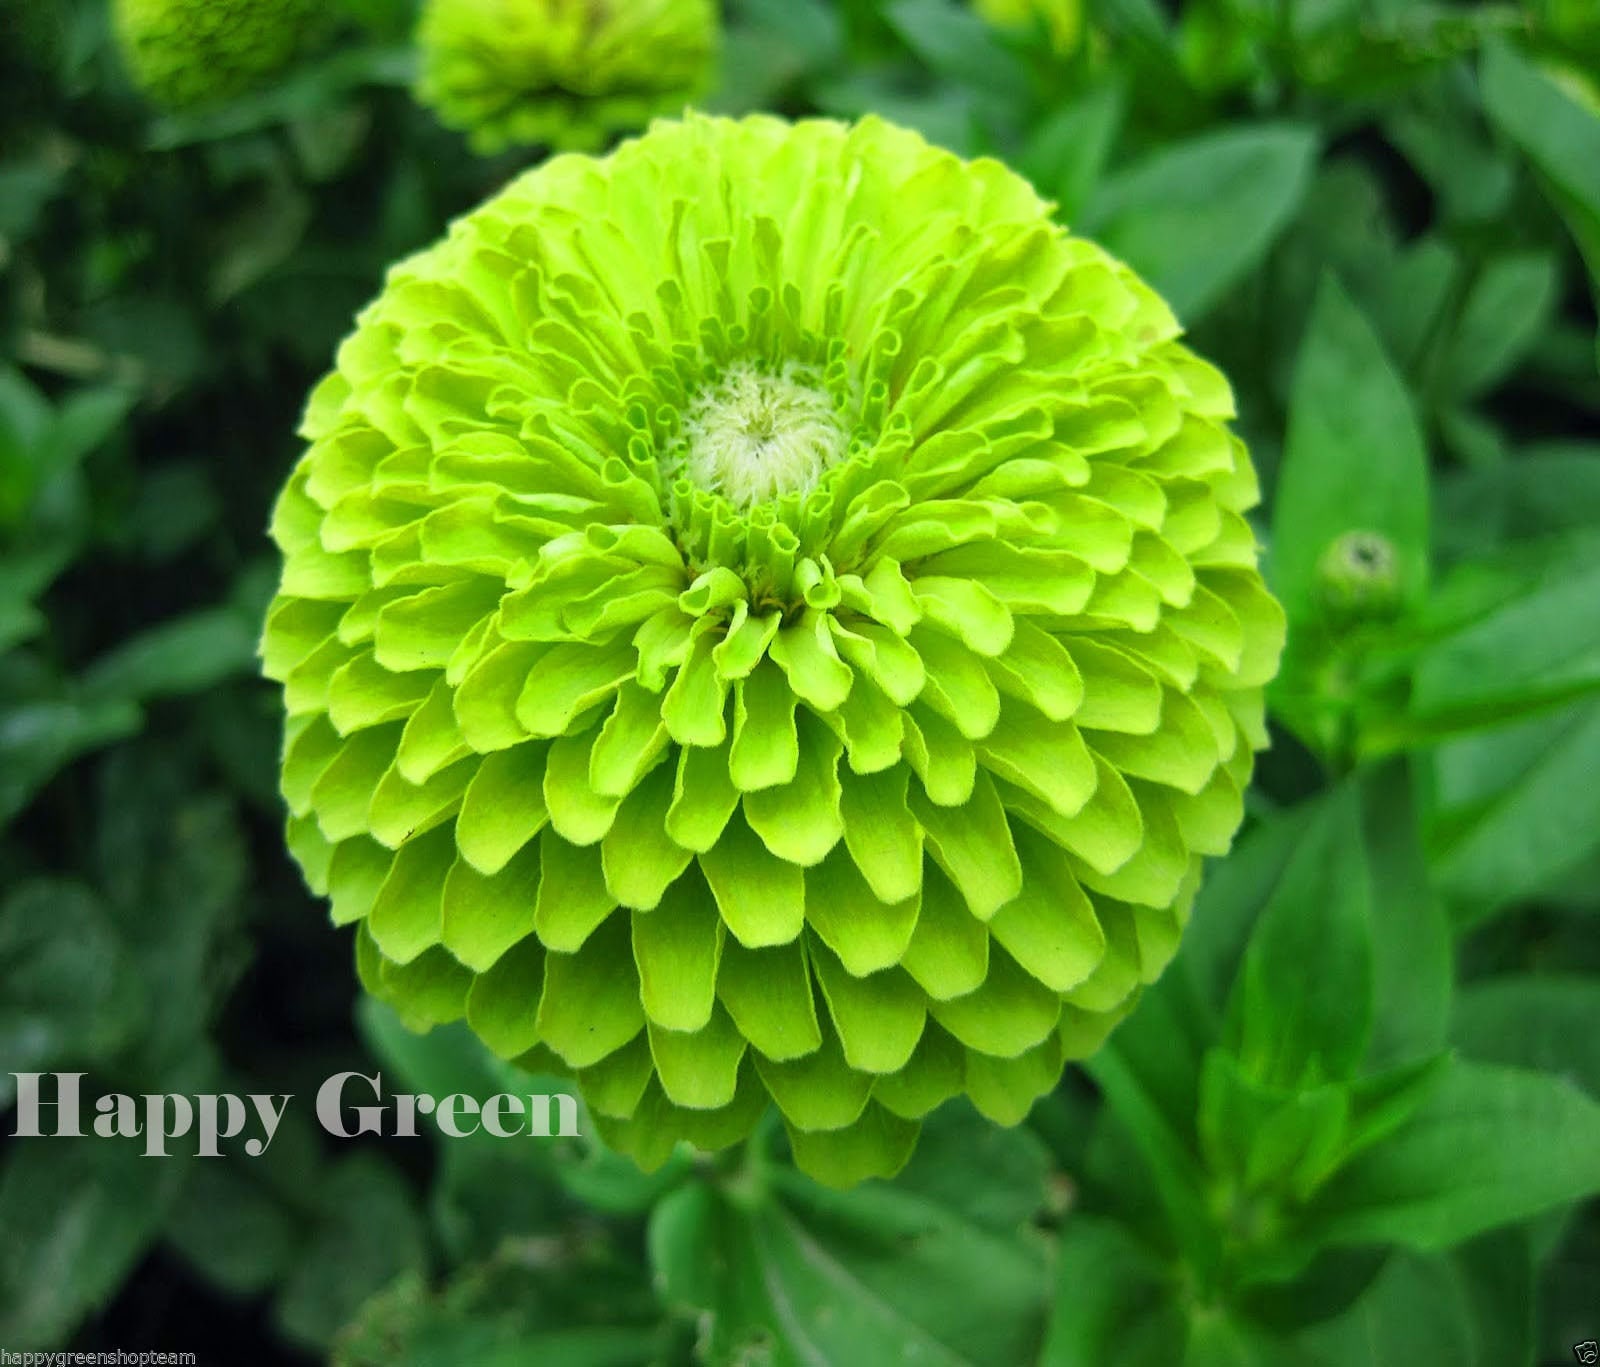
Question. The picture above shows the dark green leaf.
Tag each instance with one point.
(877, 1275)
(1115, 1302)
(82, 423)
(996, 1178)
(1194, 217)
(1492, 1146)
(1261, 1138)
(1535, 1021)
(1555, 132)
(37, 739)
(78, 1214)
(1067, 151)
(1168, 1169)
(183, 655)
(231, 1227)
(71, 995)
(368, 1234)
(1510, 305)
(1538, 647)
(25, 420)
(1514, 809)
(1354, 460)
(958, 45)
(1413, 962)
(26, 187)
(809, 30)
(1417, 1311)
(1290, 1026)
(1232, 898)
(1548, 489)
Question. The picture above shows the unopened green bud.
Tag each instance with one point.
(1358, 578)
(184, 53)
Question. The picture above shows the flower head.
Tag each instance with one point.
(564, 72)
(768, 615)
(191, 52)
(1063, 20)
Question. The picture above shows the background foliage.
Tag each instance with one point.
(1359, 1120)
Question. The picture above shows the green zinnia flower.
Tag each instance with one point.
(190, 52)
(563, 72)
(768, 615)
(1064, 20)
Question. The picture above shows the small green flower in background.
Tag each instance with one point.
(183, 53)
(566, 73)
(769, 616)
(1062, 20)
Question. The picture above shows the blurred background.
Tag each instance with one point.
(1379, 207)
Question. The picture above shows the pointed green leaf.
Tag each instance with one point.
(1289, 1024)
(1354, 458)
(1193, 217)
(1492, 1145)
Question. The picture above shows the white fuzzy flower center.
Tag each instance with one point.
(755, 435)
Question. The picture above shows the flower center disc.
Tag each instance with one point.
(755, 435)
